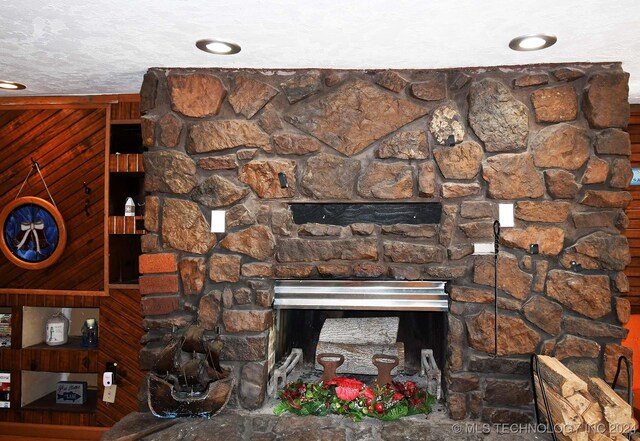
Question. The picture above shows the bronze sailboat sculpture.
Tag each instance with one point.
(187, 379)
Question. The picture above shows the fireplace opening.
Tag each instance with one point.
(359, 321)
(300, 328)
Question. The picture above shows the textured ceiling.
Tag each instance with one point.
(96, 47)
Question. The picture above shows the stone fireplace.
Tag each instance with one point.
(547, 139)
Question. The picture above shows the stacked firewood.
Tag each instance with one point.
(582, 410)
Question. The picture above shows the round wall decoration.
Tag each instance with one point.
(33, 233)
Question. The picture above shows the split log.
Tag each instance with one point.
(558, 377)
(562, 412)
(617, 412)
(358, 340)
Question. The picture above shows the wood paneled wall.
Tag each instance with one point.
(633, 211)
(69, 145)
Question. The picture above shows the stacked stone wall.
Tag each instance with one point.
(548, 139)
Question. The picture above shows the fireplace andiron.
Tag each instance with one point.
(187, 379)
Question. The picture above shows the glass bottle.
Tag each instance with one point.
(90, 333)
(57, 330)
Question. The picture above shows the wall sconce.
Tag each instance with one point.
(283, 180)
(534, 248)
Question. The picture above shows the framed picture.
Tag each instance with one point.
(33, 233)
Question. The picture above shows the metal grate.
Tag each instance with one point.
(393, 295)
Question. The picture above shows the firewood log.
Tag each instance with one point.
(617, 412)
(559, 378)
(563, 414)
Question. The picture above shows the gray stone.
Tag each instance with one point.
(407, 252)
(572, 346)
(502, 365)
(457, 252)
(544, 313)
(170, 130)
(599, 250)
(463, 382)
(610, 199)
(477, 209)
(567, 74)
(408, 230)
(310, 250)
(239, 215)
(330, 177)
(386, 181)
(499, 120)
(168, 171)
(244, 348)
(532, 79)
(256, 241)
(301, 86)
(343, 119)
(410, 144)
(391, 80)
(508, 392)
(561, 184)
(312, 229)
(613, 142)
(253, 385)
(447, 121)
(592, 328)
(209, 310)
(216, 192)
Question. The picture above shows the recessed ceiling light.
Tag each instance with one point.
(217, 47)
(533, 42)
(11, 85)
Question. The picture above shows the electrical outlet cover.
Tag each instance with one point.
(218, 221)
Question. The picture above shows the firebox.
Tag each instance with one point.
(302, 307)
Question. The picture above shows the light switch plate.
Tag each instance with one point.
(506, 215)
(218, 221)
(109, 395)
(483, 248)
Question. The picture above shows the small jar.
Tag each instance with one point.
(57, 330)
(129, 207)
(90, 334)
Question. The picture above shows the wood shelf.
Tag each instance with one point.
(48, 403)
(74, 343)
(126, 163)
(115, 122)
(125, 225)
(124, 286)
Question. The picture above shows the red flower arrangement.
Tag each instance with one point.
(350, 397)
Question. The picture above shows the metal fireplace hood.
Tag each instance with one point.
(393, 295)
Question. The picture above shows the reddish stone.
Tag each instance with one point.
(596, 172)
(269, 119)
(508, 392)
(369, 269)
(542, 211)
(257, 269)
(511, 278)
(192, 274)
(150, 243)
(408, 252)
(427, 179)
(534, 79)
(292, 144)
(333, 270)
(257, 242)
(562, 145)
(224, 268)
(623, 309)
(293, 271)
(209, 310)
(223, 162)
(550, 240)
(410, 144)
(613, 142)
(612, 352)
(361, 229)
(512, 176)
(622, 282)
(542, 266)
(185, 228)
(606, 100)
(264, 298)
(246, 320)
(148, 130)
(572, 346)
(514, 336)
(152, 305)
(567, 74)
(433, 89)
(477, 230)
(599, 250)
(310, 250)
(158, 263)
(170, 130)
(216, 135)
(151, 213)
(263, 177)
(330, 177)
(602, 199)
(544, 313)
(621, 173)
(588, 295)
(217, 192)
(457, 406)
(474, 295)
(158, 284)
(408, 230)
(334, 78)
(386, 181)
(461, 161)
(249, 95)
(477, 209)
(561, 184)
(455, 190)
(169, 171)
(404, 272)
(301, 86)
(319, 230)
(242, 296)
(555, 104)
(196, 95)
(391, 80)
(345, 118)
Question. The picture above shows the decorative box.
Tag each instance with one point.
(71, 392)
